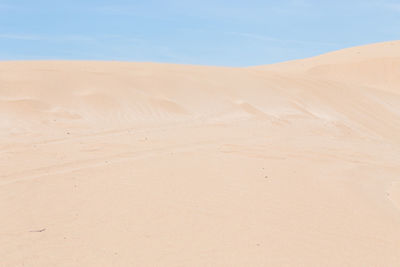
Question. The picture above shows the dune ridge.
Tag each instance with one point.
(147, 164)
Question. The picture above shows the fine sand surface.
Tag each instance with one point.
(142, 164)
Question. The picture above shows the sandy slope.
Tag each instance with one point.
(139, 164)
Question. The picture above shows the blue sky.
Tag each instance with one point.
(207, 32)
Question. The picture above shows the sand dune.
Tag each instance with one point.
(144, 164)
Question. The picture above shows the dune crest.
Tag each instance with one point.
(146, 164)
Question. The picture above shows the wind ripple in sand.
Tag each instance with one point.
(142, 164)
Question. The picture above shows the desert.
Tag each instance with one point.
(149, 164)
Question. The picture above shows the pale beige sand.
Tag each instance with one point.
(139, 164)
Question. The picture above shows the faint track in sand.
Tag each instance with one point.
(68, 167)
(198, 122)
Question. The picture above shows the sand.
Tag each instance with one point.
(144, 164)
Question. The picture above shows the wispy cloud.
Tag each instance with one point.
(382, 4)
(3, 6)
(278, 40)
(6, 8)
(209, 9)
(27, 37)
(129, 9)
(101, 39)
(49, 38)
(115, 10)
(393, 6)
